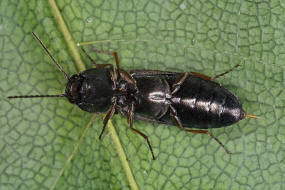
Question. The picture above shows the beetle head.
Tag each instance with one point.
(72, 91)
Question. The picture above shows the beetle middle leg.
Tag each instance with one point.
(173, 114)
(130, 121)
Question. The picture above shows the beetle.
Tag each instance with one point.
(187, 100)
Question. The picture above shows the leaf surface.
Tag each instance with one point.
(38, 136)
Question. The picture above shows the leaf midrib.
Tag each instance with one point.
(81, 67)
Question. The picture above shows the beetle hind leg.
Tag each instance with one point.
(201, 76)
(226, 72)
(211, 135)
(214, 77)
(173, 114)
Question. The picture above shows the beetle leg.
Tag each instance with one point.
(109, 114)
(215, 77)
(114, 53)
(127, 77)
(94, 63)
(226, 72)
(176, 85)
(173, 114)
(114, 78)
(123, 74)
(211, 135)
(130, 115)
(130, 121)
(201, 75)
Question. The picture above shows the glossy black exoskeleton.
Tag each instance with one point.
(187, 100)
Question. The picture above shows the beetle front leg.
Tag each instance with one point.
(94, 63)
(123, 74)
(109, 114)
(130, 121)
(114, 53)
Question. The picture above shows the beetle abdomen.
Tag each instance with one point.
(205, 104)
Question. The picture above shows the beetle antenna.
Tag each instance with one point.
(49, 54)
(39, 96)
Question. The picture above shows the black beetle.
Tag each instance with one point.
(188, 100)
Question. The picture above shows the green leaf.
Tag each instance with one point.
(44, 143)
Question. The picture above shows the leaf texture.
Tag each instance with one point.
(38, 136)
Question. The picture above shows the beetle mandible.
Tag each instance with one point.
(187, 100)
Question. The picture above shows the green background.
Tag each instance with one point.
(37, 136)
